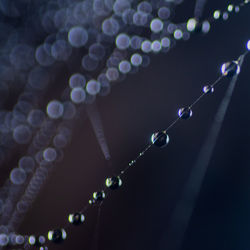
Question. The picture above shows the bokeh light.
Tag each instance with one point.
(122, 41)
(165, 42)
(60, 141)
(54, 109)
(69, 110)
(124, 67)
(22, 134)
(136, 59)
(191, 24)
(156, 46)
(164, 13)
(4, 240)
(77, 80)
(77, 95)
(110, 26)
(77, 36)
(145, 7)
(140, 18)
(89, 63)
(146, 46)
(120, 6)
(217, 14)
(156, 25)
(17, 176)
(97, 51)
(112, 74)
(43, 57)
(36, 117)
(93, 87)
(22, 57)
(135, 42)
(178, 34)
(38, 78)
(61, 50)
(49, 154)
(27, 163)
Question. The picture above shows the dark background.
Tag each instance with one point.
(137, 216)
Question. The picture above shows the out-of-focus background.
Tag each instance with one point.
(138, 216)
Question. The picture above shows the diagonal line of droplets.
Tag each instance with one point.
(228, 70)
(146, 149)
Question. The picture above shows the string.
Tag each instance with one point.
(185, 206)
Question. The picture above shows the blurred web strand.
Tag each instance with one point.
(185, 206)
(96, 122)
(199, 7)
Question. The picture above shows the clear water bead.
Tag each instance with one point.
(160, 139)
(114, 182)
(98, 196)
(76, 218)
(230, 69)
(185, 113)
(57, 235)
(208, 89)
